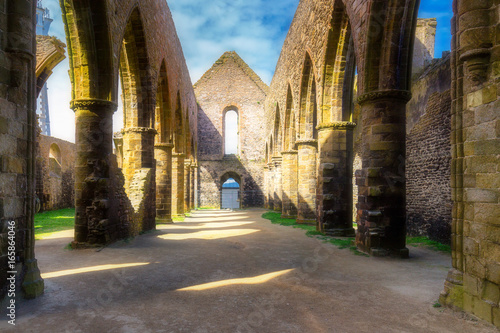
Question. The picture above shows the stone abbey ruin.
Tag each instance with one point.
(359, 124)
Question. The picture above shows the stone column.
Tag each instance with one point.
(277, 203)
(289, 181)
(270, 185)
(192, 186)
(139, 168)
(177, 184)
(307, 154)
(196, 186)
(187, 186)
(94, 135)
(18, 92)
(335, 178)
(163, 156)
(138, 150)
(266, 186)
(381, 181)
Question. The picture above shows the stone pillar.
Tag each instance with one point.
(196, 186)
(94, 135)
(177, 184)
(289, 184)
(192, 186)
(187, 186)
(381, 181)
(139, 168)
(266, 186)
(270, 185)
(335, 178)
(278, 192)
(163, 156)
(138, 151)
(306, 188)
(18, 154)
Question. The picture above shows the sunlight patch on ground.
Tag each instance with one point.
(206, 218)
(56, 235)
(90, 269)
(204, 225)
(253, 280)
(209, 234)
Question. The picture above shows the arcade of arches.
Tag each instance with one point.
(332, 149)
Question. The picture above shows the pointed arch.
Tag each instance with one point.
(89, 49)
(391, 28)
(308, 106)
(163, 112)
(179, 126)
(277, 130)
(339, 67)
(289, 126)
(138, 109)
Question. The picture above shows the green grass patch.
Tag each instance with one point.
(178, 218)
(341, 243)
(426, 242)
(47, 223)
(206, 208)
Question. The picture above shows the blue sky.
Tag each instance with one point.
(254, 29)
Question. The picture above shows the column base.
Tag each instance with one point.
(178, 215)
(163, 221)
(452, 295)
(381, 252)
(306, 221)
(33, 285)
(341, 232)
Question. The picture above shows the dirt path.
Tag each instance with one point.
(226, 271)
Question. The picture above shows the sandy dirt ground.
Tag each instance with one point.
(232, 271)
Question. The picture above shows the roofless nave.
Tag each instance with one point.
(315, 114)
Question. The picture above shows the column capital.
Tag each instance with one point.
(290, 152)
(390, 94)
(336, 125)
(307, 142)
(178, 155)
(147, 130)
(92, 103)
(164, 145)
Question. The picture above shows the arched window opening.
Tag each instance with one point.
(231, 132)
(55, 161)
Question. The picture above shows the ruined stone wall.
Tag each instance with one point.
(55, 182)
(428, 154)
(230, 85)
